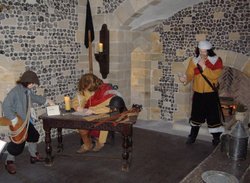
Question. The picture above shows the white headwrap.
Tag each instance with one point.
(205, 45)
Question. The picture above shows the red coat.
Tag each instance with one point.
(98, 97)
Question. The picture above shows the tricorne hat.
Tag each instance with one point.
(205, 45)
(29, 77)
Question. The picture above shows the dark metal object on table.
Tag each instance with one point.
(238, 141)
(224, 145)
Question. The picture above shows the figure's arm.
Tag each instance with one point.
(78, 102)
(101, 108)
(38, 99)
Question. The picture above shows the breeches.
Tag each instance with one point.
(16, 149)
(92, 133)
(205, 108)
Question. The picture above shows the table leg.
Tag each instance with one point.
(59, 139)
(125, 155)
(48, 148)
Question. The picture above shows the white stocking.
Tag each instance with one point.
(32, 147)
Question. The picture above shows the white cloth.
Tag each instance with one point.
(205, 45)
(9, 157)
(32, 147)
(14, 121)
(216, 130)
(114, 92)
(33, 113)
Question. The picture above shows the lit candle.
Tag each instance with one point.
(67, 103)
(100, 47)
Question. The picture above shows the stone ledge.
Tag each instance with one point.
(180, 128)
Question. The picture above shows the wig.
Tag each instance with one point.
(210, 52)
(90, 81)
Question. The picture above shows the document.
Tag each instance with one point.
(53, 110)
(85, 112)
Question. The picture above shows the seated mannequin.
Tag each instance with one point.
(93, 95)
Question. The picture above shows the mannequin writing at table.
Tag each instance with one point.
(93, 97)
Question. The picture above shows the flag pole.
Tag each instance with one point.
(89, 34)
(90, 53)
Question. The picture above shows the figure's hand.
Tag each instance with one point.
(182, 77)
(79, 109)
(50, 102)
(89, 112)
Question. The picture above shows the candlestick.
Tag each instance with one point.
(100, 47)
(67, 103)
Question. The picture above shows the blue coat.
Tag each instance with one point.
(16, 102)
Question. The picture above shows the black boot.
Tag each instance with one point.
(193, 134)
(216, 138)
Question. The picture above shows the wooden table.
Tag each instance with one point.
(68, 120)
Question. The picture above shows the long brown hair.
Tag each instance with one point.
(87, 80)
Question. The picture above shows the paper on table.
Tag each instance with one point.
(82, 113)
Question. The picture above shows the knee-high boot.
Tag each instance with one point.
(193, 134)
(216, 138)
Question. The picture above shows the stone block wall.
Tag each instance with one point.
(47, 37)
(145, 74)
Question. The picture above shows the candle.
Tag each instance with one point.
(67, 103)
(100, 47)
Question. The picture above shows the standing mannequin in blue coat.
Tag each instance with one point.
(16, 104)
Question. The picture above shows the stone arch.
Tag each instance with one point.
(131, 9)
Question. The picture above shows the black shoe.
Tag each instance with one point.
(216, 138)
(10, 167)
(38, 158)
(190, 140)
(215, 142)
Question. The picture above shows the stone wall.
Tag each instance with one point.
(145, 74)
(224, 23)
(46, 37)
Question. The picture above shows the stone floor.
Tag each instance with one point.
(160, 155)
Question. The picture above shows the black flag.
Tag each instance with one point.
(88, 26)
